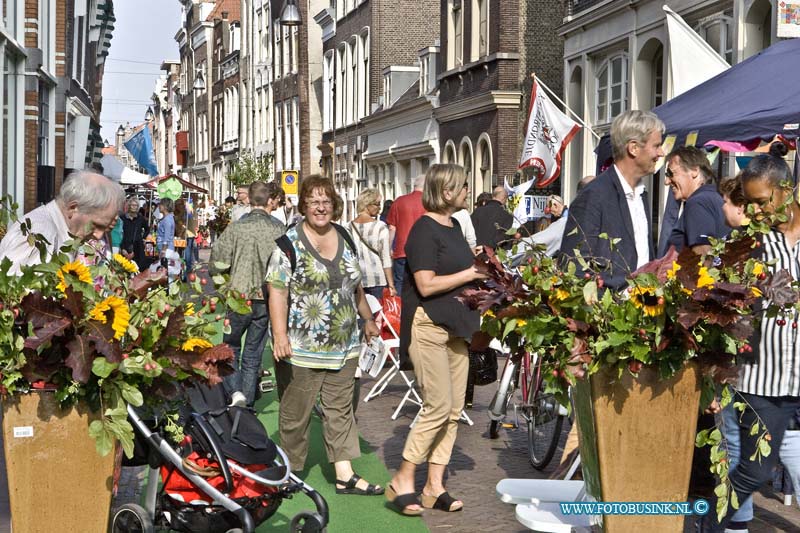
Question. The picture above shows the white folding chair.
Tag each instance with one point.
(393, 344)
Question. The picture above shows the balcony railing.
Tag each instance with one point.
(576, 6)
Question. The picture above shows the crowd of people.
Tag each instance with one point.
(308, 277)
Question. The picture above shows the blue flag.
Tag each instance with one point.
(141, 148)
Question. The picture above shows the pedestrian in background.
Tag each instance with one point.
(247, 246)
(769, 375)
(435, 330)
(691, 179)
(242, 206)
(492, 220)
(165, 231)
(373, 245)
(134, 230)
(316, 342)
(387, 204)
(615, 205)
(403, 213)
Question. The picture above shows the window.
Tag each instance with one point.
(11, 158)
(296, 132)
(365, 110)
(327, 91)
(352, 82)
(47, 34)
(458, 34)
(287, 135)
(612, 89)
(278, 136)
(277, 56)
(341, 86)
(43, 149)
(658, 79)
(718, 32)
(295, 47)
(479, 44)
(285, 49)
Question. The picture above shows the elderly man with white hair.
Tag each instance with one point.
(87, 206)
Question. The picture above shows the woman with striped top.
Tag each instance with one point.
(374, 247)
(770, 378)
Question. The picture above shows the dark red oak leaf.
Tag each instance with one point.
(81, 354)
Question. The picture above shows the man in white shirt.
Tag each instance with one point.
(242, 206)
(615, 204)
(86, 207)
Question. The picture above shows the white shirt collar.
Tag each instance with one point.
(626, 187)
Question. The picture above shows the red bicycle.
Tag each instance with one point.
(543, 415)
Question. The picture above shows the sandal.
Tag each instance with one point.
(350, 487)
(444, 502)
(402, 502)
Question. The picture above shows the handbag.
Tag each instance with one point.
(483, 366)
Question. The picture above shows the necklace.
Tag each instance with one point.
(317, 245)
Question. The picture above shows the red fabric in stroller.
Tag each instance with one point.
(183, 490)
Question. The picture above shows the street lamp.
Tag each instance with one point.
(121, 130)
(290, 14)
(199, 82)
(148, 116)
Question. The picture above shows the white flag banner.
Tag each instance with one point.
(547, 135)
(691, 59)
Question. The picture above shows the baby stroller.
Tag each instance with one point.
(226, 475)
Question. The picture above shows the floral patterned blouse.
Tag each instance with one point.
(323, 328)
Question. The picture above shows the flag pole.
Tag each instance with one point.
(560, 101)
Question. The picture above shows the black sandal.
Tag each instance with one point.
(402, 502)
(350, 487)
(444, 502)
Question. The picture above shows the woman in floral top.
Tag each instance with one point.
(315, 299)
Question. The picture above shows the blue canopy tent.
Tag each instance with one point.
(755, 99)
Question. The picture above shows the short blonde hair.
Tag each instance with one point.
(439, 179)
(366, 198)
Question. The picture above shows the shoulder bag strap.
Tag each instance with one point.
(362, 239)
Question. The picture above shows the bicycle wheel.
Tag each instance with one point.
(544, 425)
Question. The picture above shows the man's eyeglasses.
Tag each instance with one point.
(327, 204)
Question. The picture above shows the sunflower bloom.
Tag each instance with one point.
(195, 342)
(489, 313)
(521, 323)
(672, 271)
(125, 263)
(119, 310)
(755, 291)
(75, 269)
(188, 309)
(561, 294)
(704, 279)
(646, 299)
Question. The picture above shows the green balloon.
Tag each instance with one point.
(170, 188)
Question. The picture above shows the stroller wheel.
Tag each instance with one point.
(131, 518)
(306, 522)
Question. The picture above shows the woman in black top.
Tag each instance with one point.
(435, 328)
(134, 228)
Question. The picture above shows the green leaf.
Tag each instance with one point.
(590, 293)
(734, 499)
(131, 394)
(701, 439)
(511, 325)
(722, 508)
(103, 440)
(754, 429)
(218, 279)
(764, 447)
(101, 367)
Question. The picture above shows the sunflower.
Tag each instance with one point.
(119, 309)
(758, 268)
(125, 263)
(704, 279)
(195, 342)
(673, 271)
(755, 291)
(188, 309)
(561, 294)
(489, 313)
(646, 299)
(75, 269)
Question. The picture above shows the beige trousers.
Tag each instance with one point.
(441, 365)
(300, 388)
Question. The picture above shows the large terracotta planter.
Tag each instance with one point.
(637, 440)
(56, 479)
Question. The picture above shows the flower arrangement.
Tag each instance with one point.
(683, 307)
(95, 330)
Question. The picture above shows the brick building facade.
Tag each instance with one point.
(360, 40)
(51, 119)
(489, 49)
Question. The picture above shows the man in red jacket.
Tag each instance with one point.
(404, 212)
